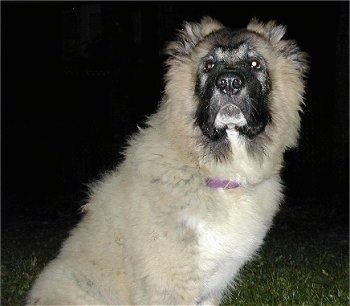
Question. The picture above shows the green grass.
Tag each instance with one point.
(305, 260)
(16, 276)
(23, 256)
(288, 273)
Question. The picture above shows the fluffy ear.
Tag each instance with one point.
(270, 30)
(274, 33)
(190, 35)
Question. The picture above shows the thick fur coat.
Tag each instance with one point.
(153, 232)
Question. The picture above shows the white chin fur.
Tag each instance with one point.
(229, 116)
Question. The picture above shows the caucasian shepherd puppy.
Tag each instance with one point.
(199, 186)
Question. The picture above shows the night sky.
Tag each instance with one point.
(77, 78)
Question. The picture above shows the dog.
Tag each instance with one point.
(199, 186)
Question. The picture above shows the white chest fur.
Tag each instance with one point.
(223, 249)
(229, 236)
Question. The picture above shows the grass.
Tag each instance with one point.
(25, 249)
(305, 260)
(291, 273)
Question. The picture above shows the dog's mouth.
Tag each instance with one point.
(231, 120)
(229, 117)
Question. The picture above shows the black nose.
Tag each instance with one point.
(229, 83)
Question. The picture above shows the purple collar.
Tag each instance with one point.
(226, 184)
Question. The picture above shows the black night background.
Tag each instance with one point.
(78, 77)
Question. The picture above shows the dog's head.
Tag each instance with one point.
(244, 86)
(233, 85)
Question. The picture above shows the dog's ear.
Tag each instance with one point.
(289, 48)
(190, 35)
(269, 30)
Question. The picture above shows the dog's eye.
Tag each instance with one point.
(209, 65)
(255, 64)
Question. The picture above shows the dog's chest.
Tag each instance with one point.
(224, 247)
(219, 257)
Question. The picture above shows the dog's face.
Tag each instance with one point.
(236, 87)
(233, 86)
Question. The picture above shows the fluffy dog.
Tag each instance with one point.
(198, 188)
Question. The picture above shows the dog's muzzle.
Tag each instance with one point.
(229, 84)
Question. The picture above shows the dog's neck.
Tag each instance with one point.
(225, 184)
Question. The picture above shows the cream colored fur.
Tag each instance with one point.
(153, 232)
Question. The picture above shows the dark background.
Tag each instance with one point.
(77, 78)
